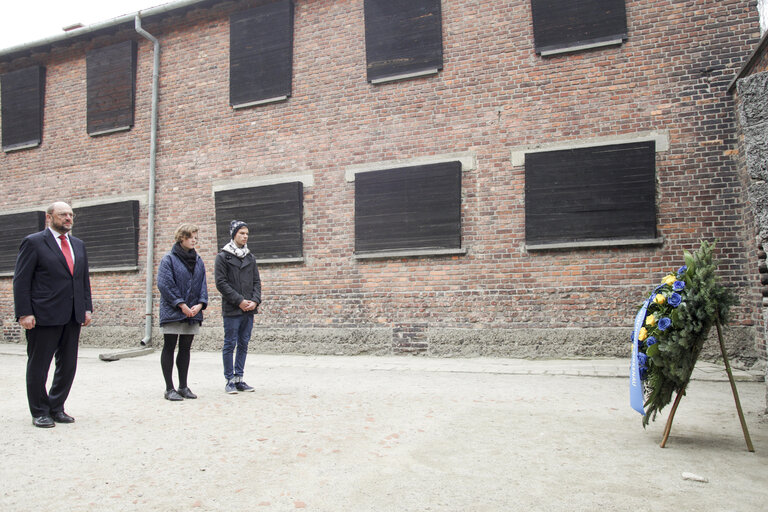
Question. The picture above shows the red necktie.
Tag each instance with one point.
(67, 254)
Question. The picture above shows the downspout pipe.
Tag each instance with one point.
(147, 340)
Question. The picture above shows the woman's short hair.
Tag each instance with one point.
(185, 231)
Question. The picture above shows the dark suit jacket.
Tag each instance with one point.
(42, 284)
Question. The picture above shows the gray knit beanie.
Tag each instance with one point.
(235, 226)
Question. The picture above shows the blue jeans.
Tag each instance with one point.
(237, 333)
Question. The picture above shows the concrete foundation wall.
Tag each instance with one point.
(512, 343)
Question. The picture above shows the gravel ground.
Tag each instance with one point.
(378, 434)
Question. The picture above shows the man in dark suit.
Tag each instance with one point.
(52, 296)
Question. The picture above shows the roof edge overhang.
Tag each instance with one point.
(124, 22)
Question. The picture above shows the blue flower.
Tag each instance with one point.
(643, 373)
(651, 340)
(682, 270)
(642, 359)
(678, 286)
(664, 324)
(674, 299)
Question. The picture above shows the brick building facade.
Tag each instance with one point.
(466, 177)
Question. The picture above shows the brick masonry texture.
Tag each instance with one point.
(494, 94)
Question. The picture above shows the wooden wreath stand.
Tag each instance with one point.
(680, 394)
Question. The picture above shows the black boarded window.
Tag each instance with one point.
(274, 214)
(560, 26)
(406, 208)
(111, 87)
(403, 38)
(13, 228)
(23, 93)
(590, 194)
(110, 232)
(261, 54)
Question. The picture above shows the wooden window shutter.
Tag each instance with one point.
(110, 232)
(415, 207)
(403, 37)
(23, 97)
(13, 229)
(111, 88)
(261, 54)
(594, 193)
(561, 25)
(274, 214)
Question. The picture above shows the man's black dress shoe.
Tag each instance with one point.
(62, 417)
(43, 422)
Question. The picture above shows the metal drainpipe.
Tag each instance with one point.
(147, 340)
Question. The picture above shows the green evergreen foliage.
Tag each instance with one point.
(678, 320)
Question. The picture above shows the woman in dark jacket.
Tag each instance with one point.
(183, 297)
(237, 278)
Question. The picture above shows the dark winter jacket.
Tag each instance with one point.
(237, 280)
(178, 285)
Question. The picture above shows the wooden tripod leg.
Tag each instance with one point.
(733, 387)
(668, 427)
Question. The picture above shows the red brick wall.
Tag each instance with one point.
(493, 94)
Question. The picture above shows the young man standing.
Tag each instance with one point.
(237, 279)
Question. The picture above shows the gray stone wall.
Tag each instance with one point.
(753, 123)
(753, 119)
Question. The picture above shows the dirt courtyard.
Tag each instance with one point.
(377, 434)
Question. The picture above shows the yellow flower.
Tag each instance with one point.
(650, 320)
(642, 334)
(659, 299)
(670, 279)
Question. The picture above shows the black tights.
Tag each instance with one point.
(182, 359)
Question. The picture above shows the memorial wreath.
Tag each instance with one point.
(670, 329)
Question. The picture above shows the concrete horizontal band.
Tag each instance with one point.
(404, 76)
(40, 208)
(269, 261)
(127, 268)
(661, 138)
(468, 163)
(595, 243)
(307, 180)
(576, 48)
(19, 147)
(259, 102)
(111, 130)
(82, 203)
(409, 253)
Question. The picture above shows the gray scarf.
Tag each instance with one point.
(232, 248)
